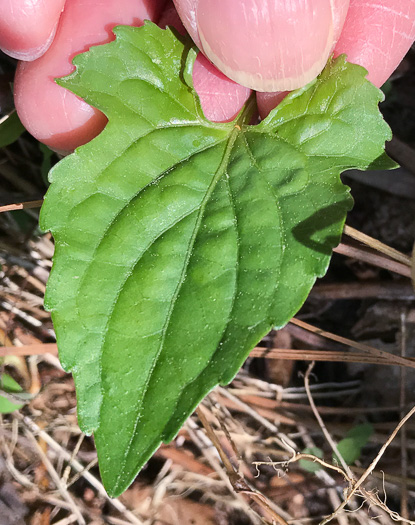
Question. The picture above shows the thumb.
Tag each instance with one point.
(266, 45)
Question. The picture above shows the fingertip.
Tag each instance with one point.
(268, 46)
(267, 101)
(51, 113)
(27, 29)
(377, 35)
(221, 98)
(339, 13)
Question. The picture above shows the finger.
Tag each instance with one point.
(264, 44)
(51, 113)
(221, 98)
(377, 34)
(187, 13)
(266, 102)
(27, 28)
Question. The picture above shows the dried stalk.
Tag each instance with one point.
(357, 485)
(237, 481)
(354, 344)
(367, 256)
(21, 206)
(116, 503)
(377, 245)
(320, 421)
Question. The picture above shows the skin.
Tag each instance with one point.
(220, 97)
(27, 27)
(51, 113)
(373, 33)
(270, 46)
(392, 32)
(288, 44)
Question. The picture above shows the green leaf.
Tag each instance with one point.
(180, 242)
(350, 448)
(9, 385)
(308, 465)
(10, 129)
(361, 434)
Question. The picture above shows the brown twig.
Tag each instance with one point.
(369, 470)
(354, 344)
(377, 245)
(232, 474)
(237, 480)
(389, 290)
(306, 354)
(55, 477)
(204, 444)
(309, 457)
(320, 421)
(25, 350)
(367, 256)
(21, 206)
(402, 402)
(116, 503)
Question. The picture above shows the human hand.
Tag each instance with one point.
(239, 37)
(275, 46)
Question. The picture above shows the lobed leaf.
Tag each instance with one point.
(180, 242)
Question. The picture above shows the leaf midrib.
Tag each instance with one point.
(135, 196)
(218, 175)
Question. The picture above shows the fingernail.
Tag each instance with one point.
(267, 45)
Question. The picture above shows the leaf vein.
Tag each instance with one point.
(217, 176)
